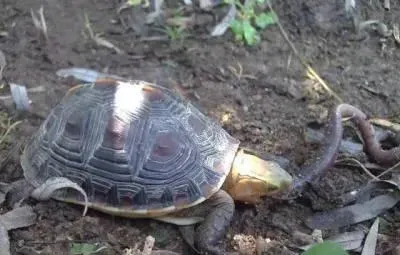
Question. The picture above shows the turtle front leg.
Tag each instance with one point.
(217, 212)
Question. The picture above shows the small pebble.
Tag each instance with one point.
(257, 97)
(237, 126)
(301, 238)
(396, 251)
(295, 91)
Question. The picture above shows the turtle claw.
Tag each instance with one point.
(46, 190)
(188, 234)
(218, 211)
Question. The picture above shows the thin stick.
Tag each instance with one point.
(3, 137)
(362, 167)
(302, 60)
(388, 170)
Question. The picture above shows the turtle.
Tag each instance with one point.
(139, 150)
(136, 149)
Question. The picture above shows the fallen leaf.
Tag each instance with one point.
(347, 240)
(85, 75)
(20, 97)
(18, 218)
(4, 241)
(363, 194)
(370, 241)
(221, 27)
(355, 213)
(346, 146)
(47, 189)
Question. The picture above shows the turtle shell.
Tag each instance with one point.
(136, 149)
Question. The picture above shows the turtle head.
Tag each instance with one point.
(252, 178)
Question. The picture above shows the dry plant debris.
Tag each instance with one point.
(3, 64)
(96, 37)
(362, 204)
(40, 22)
(147, 249)
(372, 237)
(85, 75)
(310, 71)
(244, 244)
(17, 218)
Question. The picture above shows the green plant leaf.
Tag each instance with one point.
(247, 12)
(265, 19)
(249, 33)
(229, 1)
(237, 29)
(134, 2)
(84, 248)
(326, 248)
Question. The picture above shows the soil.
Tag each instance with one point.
(260, 94)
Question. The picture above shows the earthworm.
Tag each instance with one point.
(334, 132)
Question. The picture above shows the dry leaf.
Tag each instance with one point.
(370, 241)
(40, 23)
(103, 42)
(355, 213)
(85, 75)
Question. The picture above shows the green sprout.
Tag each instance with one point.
(138, 2)
(326, 248)
(247, 23)
(85, 248)
(175, 33)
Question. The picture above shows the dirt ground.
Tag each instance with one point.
(267, 106)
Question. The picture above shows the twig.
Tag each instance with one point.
(3, 64)
(386, 124)
(40, 23)
(3, 137)
(310, 70)
(361, 165)
(388, 170)
(98, 39)
(31, 90)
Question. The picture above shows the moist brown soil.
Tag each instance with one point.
(261, 95)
